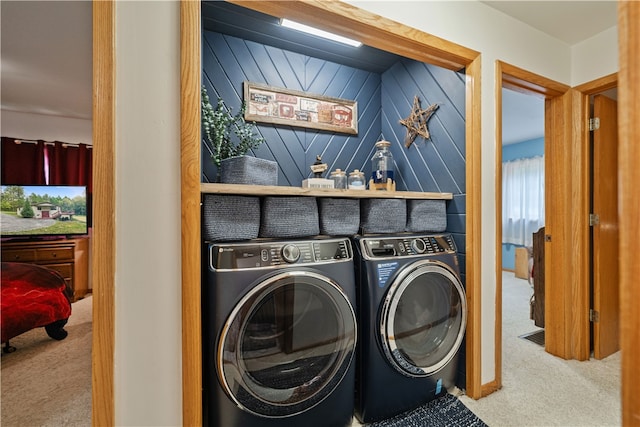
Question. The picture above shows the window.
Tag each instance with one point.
(522, 200)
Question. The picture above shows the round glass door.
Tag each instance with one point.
(287, 344)
(423, 318)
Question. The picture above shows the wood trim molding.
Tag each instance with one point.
(579, 247)
(498, 207)
(580, 346)
(375, 31)
(490, 387)
(473, 229)
(190, 123)
(526, 82)
(103, 266)
(628, 160)
(599, 85)
(369, 28)
(567, 324)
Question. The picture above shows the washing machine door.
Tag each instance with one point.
(423, 318)
(287, 344)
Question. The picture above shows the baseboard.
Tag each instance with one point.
(489, 388)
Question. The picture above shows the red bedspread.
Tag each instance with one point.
(32, 296)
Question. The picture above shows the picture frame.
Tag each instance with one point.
(281, 106)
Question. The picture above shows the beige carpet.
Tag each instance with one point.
(540, 389)
(47, 382)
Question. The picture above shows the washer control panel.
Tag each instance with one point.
(389, 247)
(233, 256)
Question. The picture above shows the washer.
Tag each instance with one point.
(412, 320)
(279, 333)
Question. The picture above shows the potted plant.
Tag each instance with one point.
(230, 138)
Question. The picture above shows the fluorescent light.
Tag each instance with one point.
(316, 32)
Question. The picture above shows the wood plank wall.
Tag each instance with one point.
(434, 165)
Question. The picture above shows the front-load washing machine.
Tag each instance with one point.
(279, 333)
(412, 320)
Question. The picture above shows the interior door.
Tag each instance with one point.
(606, 303)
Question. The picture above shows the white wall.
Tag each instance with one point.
(148, 325)
(497, 37)
(48, 128)
(595, 57)
(148, 363)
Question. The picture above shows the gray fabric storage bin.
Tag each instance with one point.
(426, 215)
(289, 217)
(339, 217)
(230, 217)
(248, 170)
(383, 215)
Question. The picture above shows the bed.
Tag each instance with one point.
(33, 296)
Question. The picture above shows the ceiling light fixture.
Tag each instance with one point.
(316, 32)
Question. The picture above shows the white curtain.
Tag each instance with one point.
(522, 200)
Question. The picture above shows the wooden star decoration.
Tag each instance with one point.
(416, 123)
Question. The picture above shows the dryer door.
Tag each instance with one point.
(287, 344)
(423, 318)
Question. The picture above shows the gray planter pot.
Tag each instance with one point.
(248, 170)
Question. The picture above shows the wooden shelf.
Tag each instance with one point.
(276, 190)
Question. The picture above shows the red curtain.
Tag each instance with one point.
(22, 164)
(70, 165)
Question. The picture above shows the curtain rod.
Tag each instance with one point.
(64, 144)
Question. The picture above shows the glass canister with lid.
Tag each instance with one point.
(382, 163)
(356, 180)
(339, 178)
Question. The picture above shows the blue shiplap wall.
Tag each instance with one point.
(437, 164)
(434, 165)
(228, 61)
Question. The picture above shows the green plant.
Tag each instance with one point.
(229, 135)
(27, 211)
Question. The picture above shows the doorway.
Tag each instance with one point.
(567, 237)
(527, 84)
(523, 214)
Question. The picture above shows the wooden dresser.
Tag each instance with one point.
(69, 257)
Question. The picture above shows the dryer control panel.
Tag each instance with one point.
(386, 247)
(233, 256)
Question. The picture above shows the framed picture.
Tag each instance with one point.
(268, 104)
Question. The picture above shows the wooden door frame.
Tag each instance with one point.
(375, 31)
(566, 303)
(567, 306)
(583, 113)
(629, 176)
(103, 239)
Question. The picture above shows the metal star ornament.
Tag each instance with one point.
(416, 123)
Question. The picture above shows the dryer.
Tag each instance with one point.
(412, 320)
(279, 333)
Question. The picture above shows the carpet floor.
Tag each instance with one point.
(47, 382)
(539, 389)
